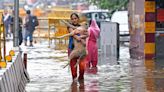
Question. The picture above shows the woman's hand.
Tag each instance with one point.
(77, 37)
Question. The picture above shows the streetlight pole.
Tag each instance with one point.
(16, 23)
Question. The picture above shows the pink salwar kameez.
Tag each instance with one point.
(92, 48)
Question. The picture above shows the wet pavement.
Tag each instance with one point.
(45, 68)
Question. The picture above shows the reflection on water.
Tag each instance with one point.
(77, 86)
(60, 46)
(47, 75)
(92, 84)
(159, 75)
(149, 80)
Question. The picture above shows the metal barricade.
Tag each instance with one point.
(54, 22)
(2, 43)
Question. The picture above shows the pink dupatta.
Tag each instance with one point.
(94, 28)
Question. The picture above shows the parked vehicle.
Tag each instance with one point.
(98, 15)
(121, 17)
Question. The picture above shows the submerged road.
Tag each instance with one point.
(47, 75)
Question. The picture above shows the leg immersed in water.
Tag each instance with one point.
(25, 43)
(31, 44)
(73, 69)
(94, 63)
(81, 69)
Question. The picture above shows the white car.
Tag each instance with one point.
(98, 15)
(121, 17)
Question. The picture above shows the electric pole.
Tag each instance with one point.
(16, 23)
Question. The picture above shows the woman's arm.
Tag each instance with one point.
(84, 35)
(75, 36)
(68, 24)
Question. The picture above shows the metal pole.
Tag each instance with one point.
(16, 22)
(4, 43)
(25, 60)
(0, 42)
(49, 32)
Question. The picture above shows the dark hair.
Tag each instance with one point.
(75, 15)
(89, 22)
(28, 12)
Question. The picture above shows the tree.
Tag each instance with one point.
(111, 5)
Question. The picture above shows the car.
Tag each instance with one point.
(98, 15)
(121, 17)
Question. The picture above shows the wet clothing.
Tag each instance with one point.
(92, 48)
(74, 61)
(70, 45)
(74, 69)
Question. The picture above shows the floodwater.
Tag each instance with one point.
(45, 68)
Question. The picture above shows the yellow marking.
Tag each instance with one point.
(149, 6)
(149, 48)
(149, 27)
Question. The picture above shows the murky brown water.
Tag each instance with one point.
(47, 75)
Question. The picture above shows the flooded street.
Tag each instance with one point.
(107, 23)
(45, 68)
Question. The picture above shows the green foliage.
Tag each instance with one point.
(111, 5)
